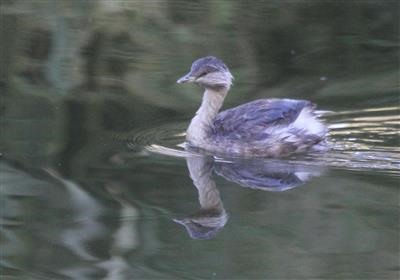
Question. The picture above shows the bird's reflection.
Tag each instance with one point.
(259, 174)
(267, 175)
(211, 217)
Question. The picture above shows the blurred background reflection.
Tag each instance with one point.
(92, 175)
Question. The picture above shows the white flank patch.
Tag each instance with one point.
(307, 121)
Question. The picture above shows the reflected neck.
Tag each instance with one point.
(200, 170)
(203, 121)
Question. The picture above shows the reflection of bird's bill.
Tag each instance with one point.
(203, 226)
(206, 218)
(197, 231)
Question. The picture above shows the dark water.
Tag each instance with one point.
(94, 183)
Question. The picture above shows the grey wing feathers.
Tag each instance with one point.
(250, 120)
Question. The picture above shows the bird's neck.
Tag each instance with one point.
(203, 121)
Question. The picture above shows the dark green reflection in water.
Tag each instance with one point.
(90, 116)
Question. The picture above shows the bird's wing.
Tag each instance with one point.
(250, 121)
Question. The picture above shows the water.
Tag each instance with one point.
(95, 183)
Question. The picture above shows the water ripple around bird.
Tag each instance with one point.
(359, 139)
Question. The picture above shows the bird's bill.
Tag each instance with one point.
(186, 79)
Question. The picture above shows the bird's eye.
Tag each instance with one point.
(202, 74)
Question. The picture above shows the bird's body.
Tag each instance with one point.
(265, 127)
(269, 127)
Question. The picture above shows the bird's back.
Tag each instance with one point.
(269, 126)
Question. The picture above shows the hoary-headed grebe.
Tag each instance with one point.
(264, 127)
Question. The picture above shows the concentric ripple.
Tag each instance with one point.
(166, 139)
(168, 135)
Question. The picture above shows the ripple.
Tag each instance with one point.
(359, 139)
(365, 139)
(167, 135)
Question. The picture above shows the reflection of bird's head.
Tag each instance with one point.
(209, 72)
(205, 224)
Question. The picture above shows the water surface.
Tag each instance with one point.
(95, 183)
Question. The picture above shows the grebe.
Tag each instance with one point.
(264, 127)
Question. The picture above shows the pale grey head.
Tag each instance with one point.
(209, 72)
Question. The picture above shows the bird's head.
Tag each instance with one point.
(209, 72)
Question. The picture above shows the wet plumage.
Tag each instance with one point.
(265, 127)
